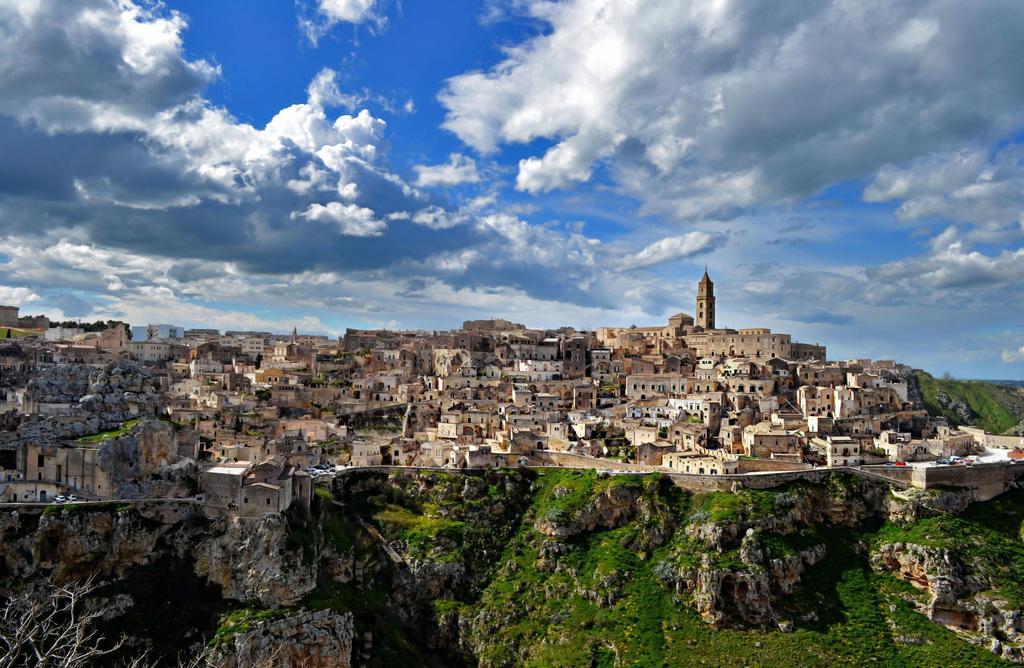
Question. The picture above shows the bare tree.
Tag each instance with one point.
(55, 628)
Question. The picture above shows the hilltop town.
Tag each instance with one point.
(246, 422)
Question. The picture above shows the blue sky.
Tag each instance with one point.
(850, 173)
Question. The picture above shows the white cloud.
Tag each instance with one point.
(1012, 356)
(349, 11)
(16, 296)
(570, 161)
(113, 65)
(706, 108)
(438, 218)
(323, 91)
(351, 219)
(951, 265)
(672, 248)
(976, 186)
(330, 13)
(459, 169)
(521, 243)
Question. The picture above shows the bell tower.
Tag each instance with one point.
(706, 302)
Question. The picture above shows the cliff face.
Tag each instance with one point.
(310, 639)
(75, 544)
(632, 568)
(561, 567)
(256, 562)
(251, 561)
(968, 568)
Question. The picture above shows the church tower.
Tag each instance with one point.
(706, 302)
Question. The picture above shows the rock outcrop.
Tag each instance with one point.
(250, 560)
(960, 599)
(322, 639)
(74, 544)
(150, 461)
(742, 596)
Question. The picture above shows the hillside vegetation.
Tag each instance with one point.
(16, 333)
(576, 568)
(995, 408)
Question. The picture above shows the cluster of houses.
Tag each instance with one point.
(688, 397)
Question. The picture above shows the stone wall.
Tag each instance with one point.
(987, 480)
(553, 458)
(759, 465)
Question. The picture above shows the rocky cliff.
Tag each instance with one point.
(309, 639)
(259, 563)
(560, 567)
(629, 570)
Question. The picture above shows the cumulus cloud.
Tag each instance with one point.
(673, 248)
(90, 65)
(438, 218)
(16, 296)
(329, 13)
(955, 266)
(707, 108)
(133, 155)
(323, 91)
(1012, 356)
(459, 169)
(351, 219)
(350, 11)
(976, 186)
(168, 199)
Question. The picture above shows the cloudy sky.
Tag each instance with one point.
(851, 172)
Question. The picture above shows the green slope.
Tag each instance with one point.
(511, 611)
(996, 408)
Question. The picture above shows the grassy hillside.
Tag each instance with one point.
(546, 621)
(480, 574)
(996, 408)
(15, 333)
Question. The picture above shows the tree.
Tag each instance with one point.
(56, 627)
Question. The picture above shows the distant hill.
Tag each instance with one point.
(1010, 383)
(997, 408)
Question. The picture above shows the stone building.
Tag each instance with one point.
(706, 302)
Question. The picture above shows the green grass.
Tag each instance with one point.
(422, 534)
(991, 403)
(752, 504)
(531, 618)
(16, 333)
(985, 539)
(517, 614)
(243, 620)
(103, 436)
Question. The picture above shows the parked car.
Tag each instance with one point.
(60, 498)
(72, 497)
